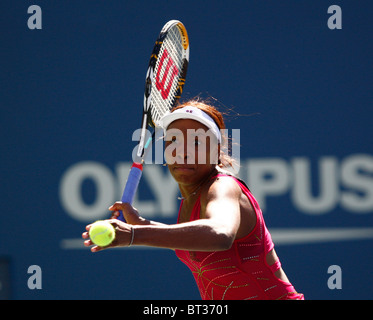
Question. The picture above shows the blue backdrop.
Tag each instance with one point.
(70, 99)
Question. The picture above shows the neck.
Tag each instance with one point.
(187, 194)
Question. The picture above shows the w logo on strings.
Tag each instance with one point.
(165, 75)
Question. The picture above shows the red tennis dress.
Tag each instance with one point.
(241, 272)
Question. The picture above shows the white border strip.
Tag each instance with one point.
(308, 236)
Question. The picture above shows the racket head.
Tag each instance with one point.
(166, 74)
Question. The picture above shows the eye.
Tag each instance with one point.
(171, 139)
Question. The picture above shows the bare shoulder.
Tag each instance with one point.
(223, 195)
(222, 187)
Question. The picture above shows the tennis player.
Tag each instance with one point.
(220, 234)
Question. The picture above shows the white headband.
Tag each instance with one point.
(192, 113)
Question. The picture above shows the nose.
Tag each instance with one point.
(184, 154)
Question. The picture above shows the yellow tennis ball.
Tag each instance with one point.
(102, 233)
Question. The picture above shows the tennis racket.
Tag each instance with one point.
(165, 79)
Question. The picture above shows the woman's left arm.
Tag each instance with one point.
(215, 230)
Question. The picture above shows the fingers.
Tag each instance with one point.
(115, 208)
(120, 209)
(85, 235)
(89, 243)
(96, 249)
(119, 206)
(115, 215)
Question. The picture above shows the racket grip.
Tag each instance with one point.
(131, 185)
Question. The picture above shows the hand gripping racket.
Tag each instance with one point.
(164, 84)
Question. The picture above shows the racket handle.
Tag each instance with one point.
(131, 185)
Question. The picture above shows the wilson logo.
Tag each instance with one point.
(166, 73)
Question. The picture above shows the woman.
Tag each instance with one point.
(220, 233)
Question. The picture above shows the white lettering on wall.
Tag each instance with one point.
(313, 187)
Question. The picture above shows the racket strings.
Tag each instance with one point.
(167, 72)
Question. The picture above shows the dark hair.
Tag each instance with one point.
(225, 160)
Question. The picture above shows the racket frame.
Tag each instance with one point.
(147, 117)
